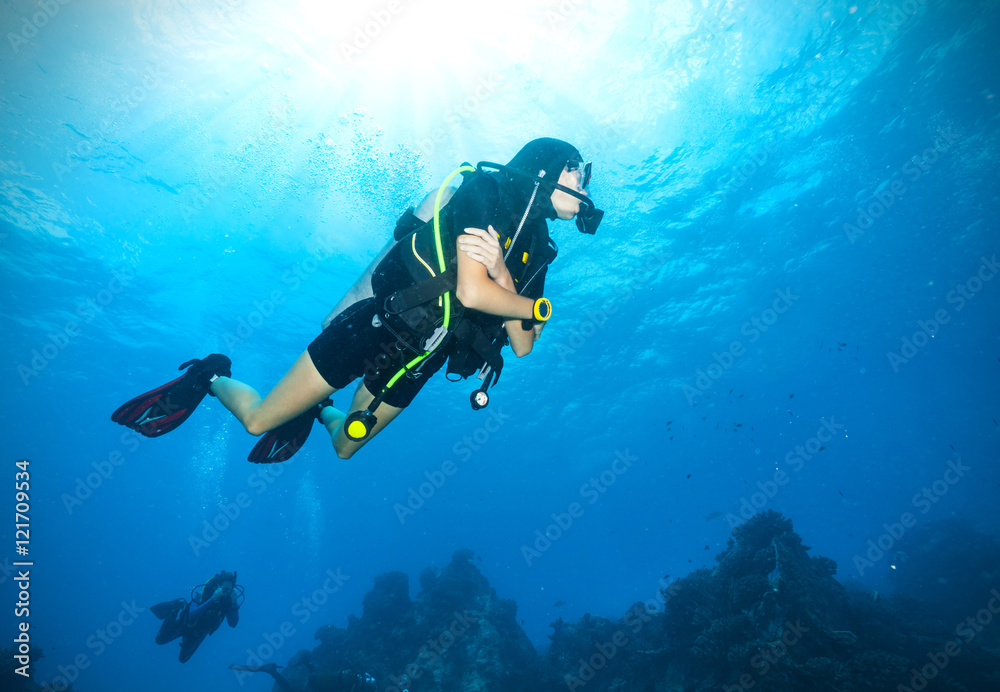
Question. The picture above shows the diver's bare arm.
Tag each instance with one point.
(478, 291)
(521, 341)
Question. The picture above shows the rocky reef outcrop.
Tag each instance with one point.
(10, 679)
(457, 634)
(768, 616)
(952, 570)
(771, 617)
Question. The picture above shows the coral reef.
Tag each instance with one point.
(10, 681)
(950, 568)
(456, 635)
(769, 616)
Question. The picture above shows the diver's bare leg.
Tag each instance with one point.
(334, 422)
(301, 387)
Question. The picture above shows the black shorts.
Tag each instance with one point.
(352, 347)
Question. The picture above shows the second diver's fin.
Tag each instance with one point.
(168, 609)
(163, 409)
(270, 668)
(285, 440)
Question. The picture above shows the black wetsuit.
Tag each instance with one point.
(195, 622)
(356, 344)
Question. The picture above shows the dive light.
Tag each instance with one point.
(359, 425)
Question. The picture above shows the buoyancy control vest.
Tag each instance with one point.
(410, 288)
(414, 294)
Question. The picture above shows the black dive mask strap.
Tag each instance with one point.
(587, 219)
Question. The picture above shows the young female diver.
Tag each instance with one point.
(433, 295)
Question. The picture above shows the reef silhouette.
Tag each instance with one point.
(949, 568)
(10, 680)
(768, 616)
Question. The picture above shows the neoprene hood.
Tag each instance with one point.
(543, 154)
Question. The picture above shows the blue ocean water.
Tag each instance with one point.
(799, 252)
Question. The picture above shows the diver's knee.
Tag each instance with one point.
(255, 426)
(345, 452)
(257, 422)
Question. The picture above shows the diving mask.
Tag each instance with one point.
(588, 218)
(582, 171)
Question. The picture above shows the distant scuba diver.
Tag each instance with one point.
(434, 294)
(271, 669)
(345, 680)
(217, 600)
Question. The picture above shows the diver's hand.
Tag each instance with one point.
(484, 247)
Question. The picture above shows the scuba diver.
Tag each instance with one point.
(211, 603)
(345, 680)
(463, 276)
(272, 669)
